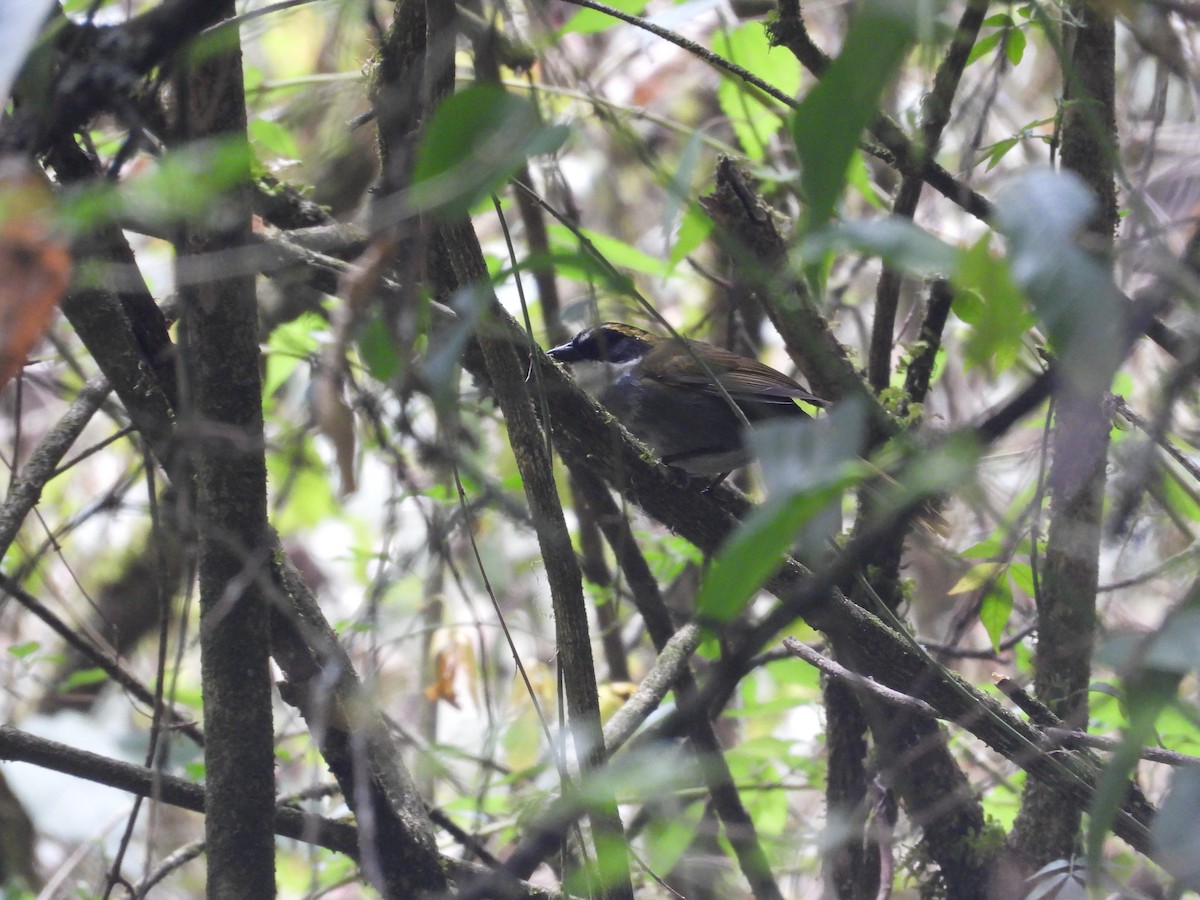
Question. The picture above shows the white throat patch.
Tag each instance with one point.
(595, 377)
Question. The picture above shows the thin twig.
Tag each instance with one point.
(829, 667)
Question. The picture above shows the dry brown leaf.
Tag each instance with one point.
(35, 266)
(446, 665)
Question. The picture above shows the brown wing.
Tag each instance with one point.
(741, 376)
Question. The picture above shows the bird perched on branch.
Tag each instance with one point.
(668, 392)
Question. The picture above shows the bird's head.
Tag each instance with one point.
(603, 353)
(613, 343)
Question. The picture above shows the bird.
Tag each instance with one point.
(665, 391)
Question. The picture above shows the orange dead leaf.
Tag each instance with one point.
(446, 665)
(35, 267)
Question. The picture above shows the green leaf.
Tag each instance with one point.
(799, 456)
(440, 367)
(1176, 838)
(273, 137)
(1147, 693)
(667, 838)
(995, 611)
(679, 188)
(989, 301)
(938, 470)
(1041, 214)
(183, 184)
(753, 116)
(290, 344)
(310, 499)
(694, 229)
(83, 678)
(831, 119)
(616, 251)
(574, 263)
(986, 549)
(1022, 576)
(1177, 495)
(998, 151)
(894, 239)
(378, 350)
(1014, 46)
(21, 651)
(1173, 648)
(859, 178)
(984, 46)
(1154, 665)
(755, 551)
(976, 577)
(475, 140)
(589, 21)
(187, 180)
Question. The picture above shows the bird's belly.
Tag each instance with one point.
(695, 431)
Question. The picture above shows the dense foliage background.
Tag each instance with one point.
(272, 280)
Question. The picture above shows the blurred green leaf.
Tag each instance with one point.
(895, 239)
(289, 345)
(273, 137)
(1041, 214)
(1175, 648)
(1000, 807)
(475, 140)
(21, 651)
(679, 188)
(618, 253)
(1153, 667)
(1178, 729)
(306, 496)
(574, 263)
(989, 301)
(185, 184)
(756, 550)
(378, 350)
(1147, 693)
(770, 708)
(831, 119)
(83, 678)
(932, 472)
(1177, 494)
(860, 180)
(1176, 837)
(694, 229)
(797, 456)
(441, 366)
(590, 21)
(668, 837)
